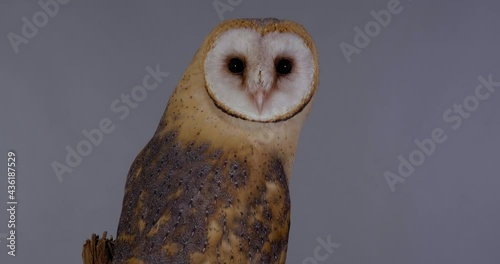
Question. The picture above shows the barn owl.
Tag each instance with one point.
(211, 186)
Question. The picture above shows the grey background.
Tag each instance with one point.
(365, 114)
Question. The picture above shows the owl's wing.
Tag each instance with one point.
(187, 200)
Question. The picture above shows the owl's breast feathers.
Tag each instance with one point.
(191, 203)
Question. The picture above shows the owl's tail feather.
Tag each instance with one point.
(98, 251)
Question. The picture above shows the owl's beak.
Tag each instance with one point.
(259, 98)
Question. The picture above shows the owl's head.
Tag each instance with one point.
(263, 70)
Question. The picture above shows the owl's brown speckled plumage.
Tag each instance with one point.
(211, 187)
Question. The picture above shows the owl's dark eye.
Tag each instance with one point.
(236, 66)
(284, 66)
